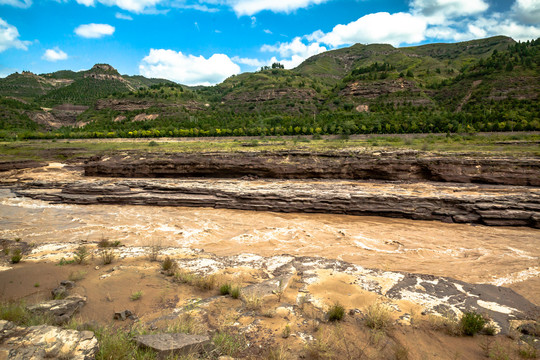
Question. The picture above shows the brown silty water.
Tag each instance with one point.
(507, 256)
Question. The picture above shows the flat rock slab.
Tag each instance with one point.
(45, 342)
(174, 344)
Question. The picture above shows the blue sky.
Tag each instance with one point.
(205, 41)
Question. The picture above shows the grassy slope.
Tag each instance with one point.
(516, 145)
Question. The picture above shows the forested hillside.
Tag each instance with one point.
(481, 85)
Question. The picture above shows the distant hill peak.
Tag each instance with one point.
(103, 68)
(103, 72)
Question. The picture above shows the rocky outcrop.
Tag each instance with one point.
(436, 294)
(61, 309)
(271, 94)
(480, 204)
(45, 342)
(22, 164)
(400, 165)
(167, 345)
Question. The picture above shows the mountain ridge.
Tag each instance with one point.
(481, 85)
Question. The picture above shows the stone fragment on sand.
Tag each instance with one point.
(126, 314)
(174, 344)
(45, 342)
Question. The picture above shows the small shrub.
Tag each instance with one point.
(81, 254)
(107, 256)
(471, 323)
(6, 251)
(336, 312)
(279, 291)
(168, 265)
(153, 251)
(137, 295)
(225, 289)
(378, 316)
(152, 143)
(286, 332)
(16, 256)
(36, 285)
(205, 282)
(253, 300)
(106, 243)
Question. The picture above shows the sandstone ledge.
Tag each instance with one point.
(458, 203)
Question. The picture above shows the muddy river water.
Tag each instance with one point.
(508, 256)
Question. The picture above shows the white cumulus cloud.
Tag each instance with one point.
(24, 4)
(187, 69)
(527, 11)
(54, 55)
(9, 37)
(136, 6)
(295, 47)
(382, 27)
(499, 24)
(440, 10)
(293, 53)
(250, 7)
(94, 31)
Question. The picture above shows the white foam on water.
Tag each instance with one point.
(521, 253)
(517, 277)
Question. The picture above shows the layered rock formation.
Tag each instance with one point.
(400, 165)
(459, 203)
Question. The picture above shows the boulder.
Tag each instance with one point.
(45, 342)
(174, 344)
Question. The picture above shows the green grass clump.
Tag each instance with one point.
(18, 313)
(225, 289)
(117, 344)
(235, 292)
(229, 344)
(336, 312)
(137, 295)
(471, 323)
(16, 256)
(378, 316)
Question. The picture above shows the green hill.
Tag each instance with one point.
(481, 85)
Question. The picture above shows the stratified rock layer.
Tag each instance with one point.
(460, 203)
(401, 165)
